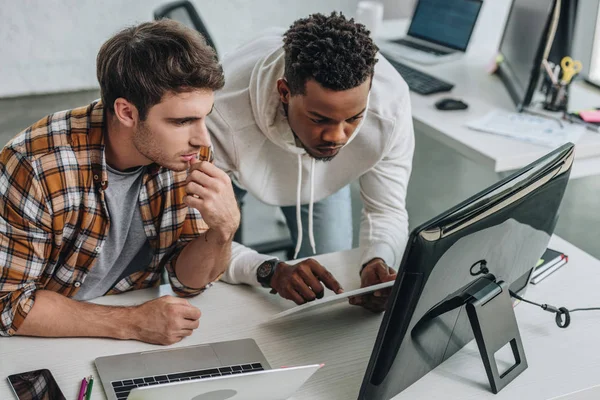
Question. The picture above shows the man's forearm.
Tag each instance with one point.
(204, 259)
(54, 315)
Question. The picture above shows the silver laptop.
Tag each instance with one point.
(439, 31)
(122, 373)
(272, 384)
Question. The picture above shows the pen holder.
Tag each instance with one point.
(557, 97)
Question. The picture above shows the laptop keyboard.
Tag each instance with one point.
(420, 47)
(122, 388)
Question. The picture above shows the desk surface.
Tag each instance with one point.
(560, 361)
(484, 93)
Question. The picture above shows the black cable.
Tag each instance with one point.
(559, 311)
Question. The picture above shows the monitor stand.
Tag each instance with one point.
(490, 311)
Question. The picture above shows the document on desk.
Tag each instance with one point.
(528, 128)
(336, 298)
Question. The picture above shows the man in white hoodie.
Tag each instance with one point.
(301, 116)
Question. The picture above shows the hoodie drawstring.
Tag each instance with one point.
(298, 215)
(311, 235)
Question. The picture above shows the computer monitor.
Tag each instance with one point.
(507, 226)
(522, 47)
(449, 23)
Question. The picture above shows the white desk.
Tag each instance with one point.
(484, 93)
(560, 361)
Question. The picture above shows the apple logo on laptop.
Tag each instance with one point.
(217, 395)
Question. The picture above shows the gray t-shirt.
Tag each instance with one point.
(126, 249)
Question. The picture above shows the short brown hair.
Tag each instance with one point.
(142, 63)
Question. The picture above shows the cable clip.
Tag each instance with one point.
(482, 269)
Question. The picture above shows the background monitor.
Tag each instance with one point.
(522, 46)
(508, 225)
(446, 22)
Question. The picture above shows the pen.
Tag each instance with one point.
(88, 394)
(82, 389)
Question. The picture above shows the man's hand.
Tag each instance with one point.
(165, 320)
(210, 192)
(302, 282)
(376, 271)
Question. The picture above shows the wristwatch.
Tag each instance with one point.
(265, 272)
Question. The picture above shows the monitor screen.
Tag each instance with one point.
(524, 39)
(446, 22)
(508, 225)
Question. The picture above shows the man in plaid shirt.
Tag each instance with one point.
(101, 199)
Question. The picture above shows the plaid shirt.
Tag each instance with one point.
(54, 220)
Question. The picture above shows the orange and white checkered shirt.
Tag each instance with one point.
(54, 220)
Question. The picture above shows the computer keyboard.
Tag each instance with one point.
(419, 47)
(418, 81)
(122, 388)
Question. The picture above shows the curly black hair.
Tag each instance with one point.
(334, 51)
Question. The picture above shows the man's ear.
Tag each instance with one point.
(126, 112)
(284, 90)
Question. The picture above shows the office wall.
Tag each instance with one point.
(49, 46)
(393, 9)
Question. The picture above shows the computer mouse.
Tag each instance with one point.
(448, 104)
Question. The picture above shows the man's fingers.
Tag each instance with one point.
(291, 294)
(374, 304)
(302, 288)
(209, 169)
(193, 202)
(310, 280)
(385, 292)
(190, 324)
(191, 313)
(382, 272)
(356, 300)
(202, 179)
(185, 332)
(326, 277)
(193, 189)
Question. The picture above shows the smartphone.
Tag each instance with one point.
(35, 385)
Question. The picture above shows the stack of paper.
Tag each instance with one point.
(529, 128)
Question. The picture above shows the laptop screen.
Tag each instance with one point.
(446, 22)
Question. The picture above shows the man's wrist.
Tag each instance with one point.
(223, 236)
(265, 272)
(126, 324)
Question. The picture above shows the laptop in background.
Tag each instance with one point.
(439, 31)
(122, 373)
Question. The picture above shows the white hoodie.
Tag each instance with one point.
(253, 142)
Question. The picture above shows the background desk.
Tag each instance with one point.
(484, 93)
(560, 361)
(452, 162)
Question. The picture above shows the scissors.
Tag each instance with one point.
(570, 68)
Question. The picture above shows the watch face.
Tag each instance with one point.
(264, 269)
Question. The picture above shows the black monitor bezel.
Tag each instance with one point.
(410, 297)
(506, 74)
